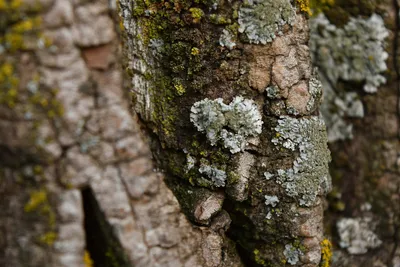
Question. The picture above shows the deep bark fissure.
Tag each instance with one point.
(101, 243)
(234, 233)
(242, 232)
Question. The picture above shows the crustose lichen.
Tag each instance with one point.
(292, 254)
(309, 174)
(262, 19)
(229, 124)
(217, 176)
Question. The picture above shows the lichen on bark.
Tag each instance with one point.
(201, 56)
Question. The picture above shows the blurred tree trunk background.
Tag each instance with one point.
(355, 45)
(224, 161)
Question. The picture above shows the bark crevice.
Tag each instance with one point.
(101, 243)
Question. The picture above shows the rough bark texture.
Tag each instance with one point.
(231, 109)
(75, 172)
(364, 211)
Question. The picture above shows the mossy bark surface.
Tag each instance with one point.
(189, 57)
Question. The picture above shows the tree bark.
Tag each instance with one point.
(78, 184)
(231, 109)
(363, 212)
(228, 100)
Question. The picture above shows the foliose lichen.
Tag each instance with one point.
(292, 254)
(352, 53)
(190, 162)
(271, 201)
(336, 109)
(229, 124)
(216, 175)
(309, 173)
(268, 175)
(272, 91)
(356, 235)
(227, 39)
(261, 20)
(156, 45)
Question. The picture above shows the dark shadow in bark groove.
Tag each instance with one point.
(240, 231)
(101, 243)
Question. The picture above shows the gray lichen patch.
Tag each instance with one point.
(261, 20)
(229, 124)
(292, 254)
(272, 92)
(309, 174)
(268, 175)
(227, 40)
(217, 176)
(190, 162)
(353, 53)
(315, 90)
(156, 45)
(337, 109)
(356, 235)
(271, 201)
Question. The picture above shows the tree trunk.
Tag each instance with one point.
(78, 184)
(228, 100)
(362, 115)
(227, 94)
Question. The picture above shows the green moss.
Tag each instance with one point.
(112, 258)
(219, 19)
(257, 258)
(233, 28)
(318, 6)
(197, 14)
(148, 76)
(195, 51)
(297, 244)
(340, 11)
(195, 144)
(39, 203)
(9, 85)
(165, 111)
(235, 14)
(48, 238)
(37, 198)
(180, 90)
(22, 31)
(233, 177)
(19, 32)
